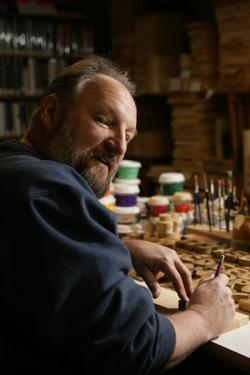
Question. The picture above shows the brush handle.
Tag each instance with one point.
(208, 211)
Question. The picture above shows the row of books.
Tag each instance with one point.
(27, 76)
(61, 38)
(14, 117)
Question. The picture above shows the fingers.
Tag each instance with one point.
(179, 285)
(179, 274)
(186, 277)
(151, 281)
(223, 278)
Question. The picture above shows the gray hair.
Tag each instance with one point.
(72, 78)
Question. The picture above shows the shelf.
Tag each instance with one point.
(37, 55)
(20, 97)
(56, 15)
(10, 136)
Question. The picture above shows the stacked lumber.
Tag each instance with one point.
(193, 125)
(158, 41)
(204, 46)
(234, 44)
(123, 21)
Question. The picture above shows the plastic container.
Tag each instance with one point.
(126, 195)
(127, 215)
(171, 182)
(182, 201)
(123, 230)
(129, 169)
(135, 181)
(142, 202)
(108, 201)
(157, 204)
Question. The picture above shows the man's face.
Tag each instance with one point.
(93, 136)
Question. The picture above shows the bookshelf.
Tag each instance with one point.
(34, 47)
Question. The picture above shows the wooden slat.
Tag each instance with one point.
(168, 300)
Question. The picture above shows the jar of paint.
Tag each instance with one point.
(182, 201)
(128, 169)
(157, 204)
(171, 182)
(127, 215)
(126, 195)
(123, 231)
(134, 181)
(108, 201)
(143, 205)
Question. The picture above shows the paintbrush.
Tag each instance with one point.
(220, 264)
(212, 201)
(207, 201)
(223, 191)
(229, 200)
(219, 203)
(197, 205)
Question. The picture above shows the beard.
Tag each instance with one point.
(65, 150)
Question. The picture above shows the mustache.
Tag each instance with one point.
(108, 158)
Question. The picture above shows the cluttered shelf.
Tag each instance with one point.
(37, 41)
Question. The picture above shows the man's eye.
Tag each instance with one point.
(128, 139)
(103, 121)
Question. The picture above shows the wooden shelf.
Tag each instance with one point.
(10, 136)
(57, 15)
(19, 97)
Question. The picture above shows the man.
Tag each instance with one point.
(68, 304)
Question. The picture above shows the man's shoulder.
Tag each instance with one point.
(25, 169)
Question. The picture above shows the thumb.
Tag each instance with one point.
(151, 281)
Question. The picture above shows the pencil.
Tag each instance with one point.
(219, 265)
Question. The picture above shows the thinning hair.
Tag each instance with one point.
(71, 79)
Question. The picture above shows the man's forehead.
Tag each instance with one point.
(103, 83)
(104, 89)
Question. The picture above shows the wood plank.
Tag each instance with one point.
(167, 302)
(215, 234)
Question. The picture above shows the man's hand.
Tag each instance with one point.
(149, 259)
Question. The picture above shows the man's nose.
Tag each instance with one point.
(117, 141)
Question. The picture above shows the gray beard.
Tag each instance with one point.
(64, 151)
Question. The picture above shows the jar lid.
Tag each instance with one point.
(126, 210)
(126, 189)
(123, 229)
(130, 164)
(182, 196)
(135, 181)
(158, 200)
(171, 177)
(143, 200)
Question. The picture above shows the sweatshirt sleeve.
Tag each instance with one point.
(71, 290)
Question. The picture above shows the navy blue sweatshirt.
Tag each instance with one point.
(68, 305)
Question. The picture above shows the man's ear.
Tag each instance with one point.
(50, 111)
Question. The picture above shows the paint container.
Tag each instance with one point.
(123, 231)
(108, 201)
(171, 182)
(135, 181)
(127, 215)
(157, 204)
(142, 202)
(129, 169)
(126, 195)
(182, 201)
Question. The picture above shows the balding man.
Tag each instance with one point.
(68, 304)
